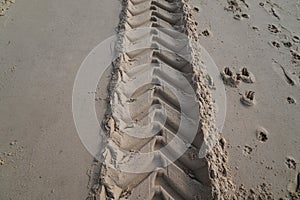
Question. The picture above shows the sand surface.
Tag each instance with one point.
(255, 45)
(42, 44)
(249, 43)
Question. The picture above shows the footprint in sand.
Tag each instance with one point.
(291, 100)
(246, 16)
(262, 134)
(241, 16)
(295, 54)
(229, 77)
(206, 33)
(275, 44)
(196, 9)
(296, 39)
(255, 28)
(247, 150)
(273, 28)
(245, 75)
(290, 163)
(248, 99)
(287, 44)
(237, 17)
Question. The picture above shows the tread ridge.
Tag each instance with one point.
(181, 179)
(166, 63)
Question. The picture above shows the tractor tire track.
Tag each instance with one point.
(189, 177)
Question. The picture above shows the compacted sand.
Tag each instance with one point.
(255, 47)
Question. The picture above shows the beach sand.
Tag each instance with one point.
(255, 46)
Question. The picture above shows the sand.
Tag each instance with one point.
(42, 46)
(255, 47)
(133, 69)
(4, 6)
(276, 81)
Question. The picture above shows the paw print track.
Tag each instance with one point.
(230, 77)
(275, 44)
(290, 163)
(246, 76)
(262, 134)
(273, 28)
(291, 100)
(248, 98)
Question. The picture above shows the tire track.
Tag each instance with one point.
(189, 177)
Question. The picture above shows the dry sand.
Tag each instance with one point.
(249, 43)
(255, 46)
(42, 44)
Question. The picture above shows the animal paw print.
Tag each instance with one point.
(273, 29)
(229, 77)
(262, 134)
(287, 44)
(291, 100)
(296, 39)
(246, 76)
(290, 163)
(275, 44)
(248, 98)
(247, 150)
(295, 55)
